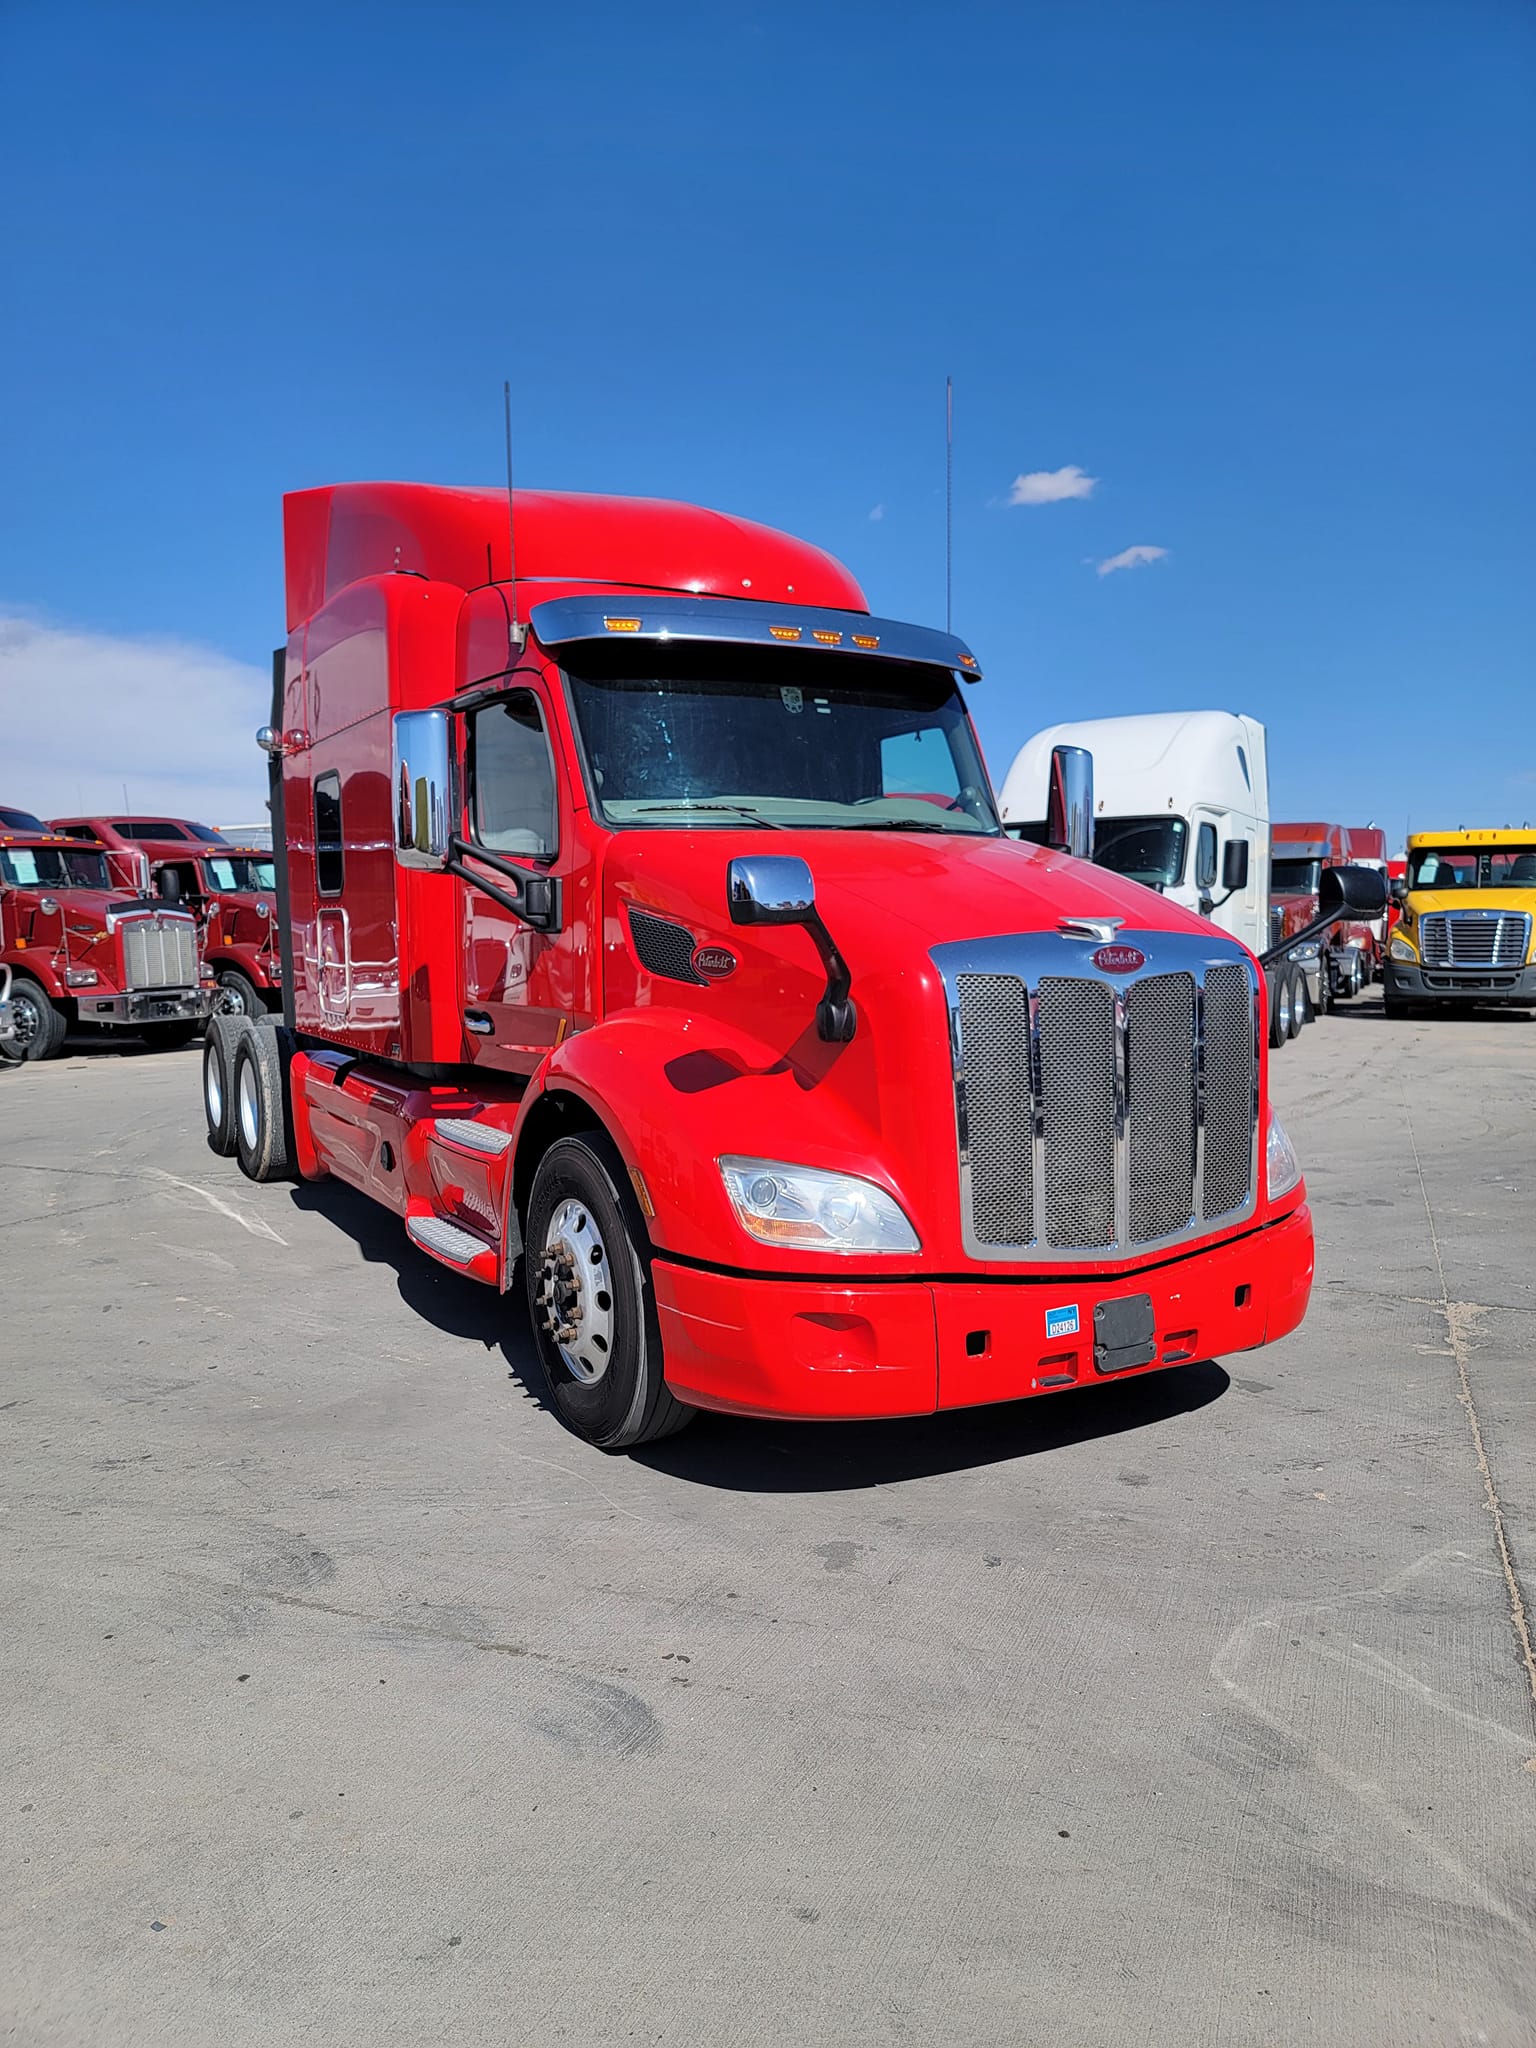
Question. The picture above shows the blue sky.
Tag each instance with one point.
(1265, 272)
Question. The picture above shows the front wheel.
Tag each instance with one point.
(1280, 1010)
(40, 1027)
(238, 996)
(587, 1269)
(1300, 1009)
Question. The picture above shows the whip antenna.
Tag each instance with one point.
(516, 633)
(949, 502)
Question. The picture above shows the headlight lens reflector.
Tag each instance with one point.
(1282, 1169)
(1400, 949)
(811, 1210)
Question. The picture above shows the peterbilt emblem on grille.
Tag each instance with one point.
(1119, 959)
(714, 961)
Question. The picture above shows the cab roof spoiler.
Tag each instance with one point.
(740, 622)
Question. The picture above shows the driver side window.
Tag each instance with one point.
(1205, 857)
(918, 764)
(513, 778)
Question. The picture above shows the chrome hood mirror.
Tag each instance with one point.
(770, 888)
(421, 775)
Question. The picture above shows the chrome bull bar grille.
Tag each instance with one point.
(1102, 1113)
(159, 952)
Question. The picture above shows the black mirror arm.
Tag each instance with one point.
(533, 899)
(1308, 931)
(836, 1017)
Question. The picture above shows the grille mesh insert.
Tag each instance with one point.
(663, 947)
(1160, 1105)
(163, 957)
(1458, 938)
(1077, 1094)
(1229, 1078)
(994, 1047)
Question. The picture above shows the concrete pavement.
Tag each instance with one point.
(345, 1698)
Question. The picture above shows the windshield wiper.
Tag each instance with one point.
(737, 810)
(914, 825)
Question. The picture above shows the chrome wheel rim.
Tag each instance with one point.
(1285, 1012)
(249, 1106)
(213, 1088)
(24, 1015)
(575, 1292)
(229, 1002)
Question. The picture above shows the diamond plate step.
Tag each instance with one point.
(445, 1240)
(474, 1137)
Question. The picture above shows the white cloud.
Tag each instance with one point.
(1051, 486)
(877, 512)
(86, 712)
(1132, 558)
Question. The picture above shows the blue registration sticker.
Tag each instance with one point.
(1061, 1322)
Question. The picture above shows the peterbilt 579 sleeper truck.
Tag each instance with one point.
(84, 948)
(648, 922)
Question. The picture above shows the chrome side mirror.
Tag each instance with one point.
(770, 888)
(421, 775)
(1069, 802)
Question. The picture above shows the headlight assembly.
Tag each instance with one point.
(1399, 948)
(814, 1211)
(1282, 1169)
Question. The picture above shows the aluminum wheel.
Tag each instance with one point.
(213, 1090)
(248, 1105)
(575, 1293)
(1283, 1005)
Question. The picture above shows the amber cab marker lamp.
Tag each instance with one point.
(622, 625)
(827, 638)
(866, 639)
(785, 632)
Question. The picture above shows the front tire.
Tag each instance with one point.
(1299, 1005)
(40, 1026)
(1280, 1010)
(263, 1118)
(238, 996)
(587, 1269)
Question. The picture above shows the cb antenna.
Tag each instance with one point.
(949, 503)
(516, 633)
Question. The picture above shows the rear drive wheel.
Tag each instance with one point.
(1298, 1001)
(219, 1044)
(263, 1119)
(1280, 1009)
(40, 1027)
(587, 1269)
(170, 1037)
(238, 996)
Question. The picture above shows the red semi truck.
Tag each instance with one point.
(84, 948)
(648, 923)
(230, 891)
(1349, 957)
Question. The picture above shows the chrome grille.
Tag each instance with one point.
(1077, 1095)
(1231, 1076)
(994, 1022)
(159, 953)
(1101, 1112)
(1160, 1104)
(1474, 938)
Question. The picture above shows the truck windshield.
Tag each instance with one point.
(1443, 867)
(723, 736)
(52, 867)
(1295, 877)
(1146, 850)
(240, 872)
(1512, 867)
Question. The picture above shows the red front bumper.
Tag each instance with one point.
(907, 1347)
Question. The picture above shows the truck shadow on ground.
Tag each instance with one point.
(1370, 1009)
(739, 1455)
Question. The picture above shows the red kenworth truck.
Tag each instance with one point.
(648, 922)
(85, 948)
(229, 889)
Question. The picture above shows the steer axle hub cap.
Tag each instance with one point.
(575, 1292)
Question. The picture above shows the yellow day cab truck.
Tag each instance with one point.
(1468, 904)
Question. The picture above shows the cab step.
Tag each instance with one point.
(453, 1246)
(472, 1135)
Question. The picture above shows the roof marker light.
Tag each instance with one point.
(785, 632)
(866, 639)
(622, 625)
(827, 639)
(968, 661)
